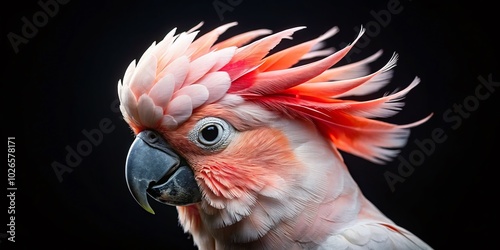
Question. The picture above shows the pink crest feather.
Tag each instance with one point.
(181, 73)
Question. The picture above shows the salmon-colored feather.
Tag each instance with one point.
(351, 70)
(279, 80)
(343, 87)
(369, 139)
(290, 56)
(248, 57)
(386, 106)
(181, 73)
(203, 44)
(241, 39)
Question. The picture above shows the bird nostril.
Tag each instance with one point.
(152, 136)
(151, 184)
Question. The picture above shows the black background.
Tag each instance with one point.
(63, 81)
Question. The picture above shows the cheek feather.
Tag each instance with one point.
(253, 160)
(257, 162)
(227, 180)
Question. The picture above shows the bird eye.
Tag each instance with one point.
(211, 133)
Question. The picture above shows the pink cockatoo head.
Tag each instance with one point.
(245, 142)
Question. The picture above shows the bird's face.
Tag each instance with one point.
(216, 159)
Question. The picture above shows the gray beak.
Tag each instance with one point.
(154, 168)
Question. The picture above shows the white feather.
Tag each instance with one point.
(196, 27)
(217, 84)
(162, 91)
(148, 51)
(197, 93)
(129, 102)
(180, 108)
(149, 114)
(162, 47)
(200, 66)
(370, 234)
(179, 47)
(179, 69)
(223, 57)
(128, 73)
(144, 75)
(119, 90)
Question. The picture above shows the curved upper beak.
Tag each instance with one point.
(155, 169)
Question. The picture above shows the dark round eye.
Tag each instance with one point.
(210, 134)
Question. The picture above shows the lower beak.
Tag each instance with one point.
(153, 168)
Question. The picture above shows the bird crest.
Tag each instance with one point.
(181, 73)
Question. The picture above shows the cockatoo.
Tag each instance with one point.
(246, 143)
